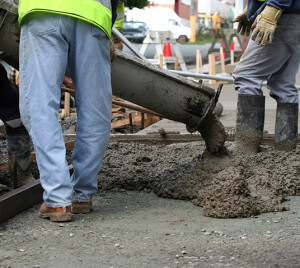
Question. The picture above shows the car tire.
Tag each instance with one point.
(182, 39)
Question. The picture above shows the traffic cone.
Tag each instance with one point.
(222, 45)
(167, 50)
(232, 46)
(232, 53)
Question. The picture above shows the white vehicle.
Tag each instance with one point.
(160, 19)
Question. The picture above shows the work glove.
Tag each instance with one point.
(265, 25)
(244, 26)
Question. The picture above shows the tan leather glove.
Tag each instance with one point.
(265, 25)
(244, 26)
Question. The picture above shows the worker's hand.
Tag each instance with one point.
(265, 25)
(67, 81)
(112, 49)
(244, 26)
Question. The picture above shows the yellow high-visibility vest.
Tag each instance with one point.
(119, 23)
(97, 12)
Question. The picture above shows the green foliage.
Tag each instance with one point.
(202, 39)
(136, 3)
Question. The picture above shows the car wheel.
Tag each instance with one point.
(182, 38)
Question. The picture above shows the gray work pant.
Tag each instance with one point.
(277, 63)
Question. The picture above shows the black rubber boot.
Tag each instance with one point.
(286, 127)
(19, 155)
(249, 124)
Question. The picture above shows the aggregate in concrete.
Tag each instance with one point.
(227, 186)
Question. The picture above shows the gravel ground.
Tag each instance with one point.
(142, 230)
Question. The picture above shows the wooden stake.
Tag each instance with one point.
(176, 63)
(161, 61)
(223, 70)
(212, 67)
(199, 66)
(67, 104)
(70, 90)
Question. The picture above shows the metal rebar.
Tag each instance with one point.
(128, 44)
(14, 170)
(130, 123)
(213, 77)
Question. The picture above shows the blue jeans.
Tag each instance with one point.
(49, 43)
(277, 63)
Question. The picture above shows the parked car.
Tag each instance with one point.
(135, 31)
(161, 19)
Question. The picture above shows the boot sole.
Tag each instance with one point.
(56, 217)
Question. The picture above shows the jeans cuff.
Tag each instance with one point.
(81, 200)
(56, 205)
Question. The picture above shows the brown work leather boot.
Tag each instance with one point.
(81, 207)
(55, 214)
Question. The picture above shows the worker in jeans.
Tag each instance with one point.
(53, 35)
(17, 136)
(271, 55)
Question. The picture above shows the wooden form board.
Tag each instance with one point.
(136, 119)
(212, 67)
(222, 58)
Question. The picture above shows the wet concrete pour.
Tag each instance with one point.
(139, 229)
(226, 187)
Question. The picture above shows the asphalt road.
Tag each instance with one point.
(188, 51)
